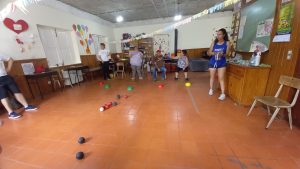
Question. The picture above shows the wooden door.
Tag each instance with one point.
(296, 109)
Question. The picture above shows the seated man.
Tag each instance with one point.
(8, 84)
(158, 65)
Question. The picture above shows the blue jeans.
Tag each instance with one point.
(163, 71)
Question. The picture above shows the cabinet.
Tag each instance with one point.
(245, 82)
(145, 45)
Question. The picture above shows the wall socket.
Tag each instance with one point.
(289, 55)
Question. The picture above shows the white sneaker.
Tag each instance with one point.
(211, 92)
(222, 97)
(132, 78)
(140, 78)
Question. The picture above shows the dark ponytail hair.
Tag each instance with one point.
(225, 35)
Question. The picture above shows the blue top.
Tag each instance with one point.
(219, 61)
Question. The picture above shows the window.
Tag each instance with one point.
(58, 46)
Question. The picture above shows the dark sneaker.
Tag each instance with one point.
(14, 115)
(30, 108)
(176, 78)
(187, 79)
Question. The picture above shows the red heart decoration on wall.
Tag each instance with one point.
(18, 27)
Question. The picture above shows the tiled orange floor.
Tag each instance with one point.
(152, 129)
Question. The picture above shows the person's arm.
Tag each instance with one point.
(187, 62)
(9, 65)
(142, 55)
(155, 63)
(130, 54)
(98, 57)
(210, 51)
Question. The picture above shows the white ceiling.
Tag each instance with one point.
(135, 10)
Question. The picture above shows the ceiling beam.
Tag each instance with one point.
(166, 8)
(157, 12)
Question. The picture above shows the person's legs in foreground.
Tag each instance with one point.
(221, 75)
(163, 73)
(177, 73)
(212, 80)
(186, 74)
(154, 71)
(139, 71)
(105, 70)
(8, 84)
(133, 68)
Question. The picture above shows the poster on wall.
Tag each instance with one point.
(258, 45)
(161, 42)
(284, 28)
(264, 28)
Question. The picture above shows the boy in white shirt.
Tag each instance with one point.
(104, 56)
(8, 84)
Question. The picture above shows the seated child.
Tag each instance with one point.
(182, 65)
(158, 65)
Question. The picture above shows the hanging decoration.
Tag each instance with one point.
(25, 41)
(211, 10)
(85, 39)
(17, 4)
(18, 27)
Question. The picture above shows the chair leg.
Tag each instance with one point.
(290, 118)
(70, 83)
(269, 111)
(252, 107)
(273, 117)
(59, 84)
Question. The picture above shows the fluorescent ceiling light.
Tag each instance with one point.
(177, 17)
(120, 19)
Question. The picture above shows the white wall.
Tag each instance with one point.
(43, 15)
(56, 14)
(197, 34)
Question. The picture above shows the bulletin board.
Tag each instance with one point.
(256, 25)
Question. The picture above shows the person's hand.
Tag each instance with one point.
(8, 70)
(220, 53)
(158, 69)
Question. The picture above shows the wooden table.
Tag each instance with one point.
(37, 77)
(76, 69)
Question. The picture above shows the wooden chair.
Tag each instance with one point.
(278, 103)
(112, 70)
(120, 69)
